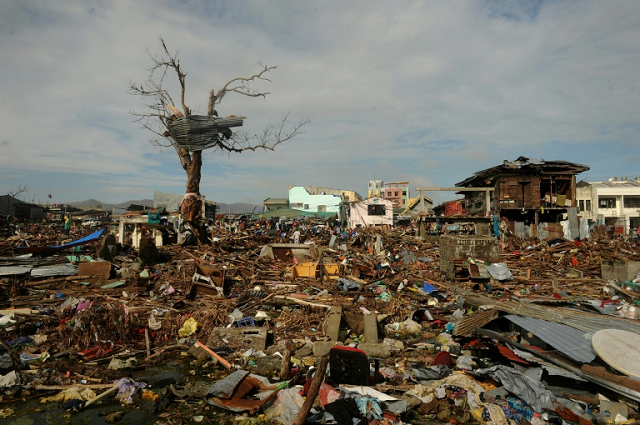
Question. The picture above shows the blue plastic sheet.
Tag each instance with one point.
(55, 248)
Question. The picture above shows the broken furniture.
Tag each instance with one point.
(207, 280)
(136, 234)
(348, 365)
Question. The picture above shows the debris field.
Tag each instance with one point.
(373, 325)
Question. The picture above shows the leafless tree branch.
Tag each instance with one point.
(18, 190)
(272, 135)
(241, 85)
(160, 111)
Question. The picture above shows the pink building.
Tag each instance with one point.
(398, 194)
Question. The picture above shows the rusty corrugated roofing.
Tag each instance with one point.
(509, 354)
(465, 326)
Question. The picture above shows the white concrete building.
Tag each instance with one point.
(309, 200)
(371, 212)
(614, 203)
(375, 189)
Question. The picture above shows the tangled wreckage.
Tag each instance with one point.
(375, 325)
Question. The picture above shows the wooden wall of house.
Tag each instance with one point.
(564, 184)
(518, 191)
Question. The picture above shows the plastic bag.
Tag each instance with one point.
(287, 406)
(188, 328)
(127, 389)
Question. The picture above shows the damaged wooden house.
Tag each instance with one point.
(527, 192)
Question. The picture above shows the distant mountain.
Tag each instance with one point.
(238, 208)
(145, 202)
(234, 208)
(94, 203)
(89, 203)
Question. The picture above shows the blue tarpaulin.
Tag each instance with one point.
(54, 248)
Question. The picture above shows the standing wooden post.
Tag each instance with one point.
(313, 391)
(285, 369)
(487, 200)
(147, 341)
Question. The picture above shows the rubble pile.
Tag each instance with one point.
(346, 326)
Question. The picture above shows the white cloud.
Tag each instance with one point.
(470, 83)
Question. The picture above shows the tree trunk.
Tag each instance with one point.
(192, 202)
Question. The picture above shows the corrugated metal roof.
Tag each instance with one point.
(198, 132)
(59, 270)
(30, 260)
(524, 165)
(14, 270)
(466, 325)
(617, 184)
(549, 367)
(586, 322)
(510, 354)
(569, 341)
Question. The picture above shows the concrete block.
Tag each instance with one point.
(483, 229)
(267, 366)
(304, 351)
(376, 350)
(240, 338)
(619, 270)
(370, 329)
(461, 247)
(321, 348)
(334, 320)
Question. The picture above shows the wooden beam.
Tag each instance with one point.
(318, 379)
(455, 189)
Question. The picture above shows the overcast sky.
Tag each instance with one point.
(422, 91)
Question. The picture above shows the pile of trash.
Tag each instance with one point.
(347, 326)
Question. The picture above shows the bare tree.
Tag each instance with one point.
(18, 190)
(162, 118)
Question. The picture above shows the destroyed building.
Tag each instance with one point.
(259, 330)
(274, 204)
(449, 208)
(416, 206)
(371, 212)
(526, 190)
(371, 324)
(20, 209)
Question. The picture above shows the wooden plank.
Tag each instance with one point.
(78, 386)
(318, 379)
(222, 361)
(95, 269)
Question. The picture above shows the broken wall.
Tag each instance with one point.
(461, 247)
(619, 270)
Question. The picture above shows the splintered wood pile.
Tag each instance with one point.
(223, 307)
(151, 303)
